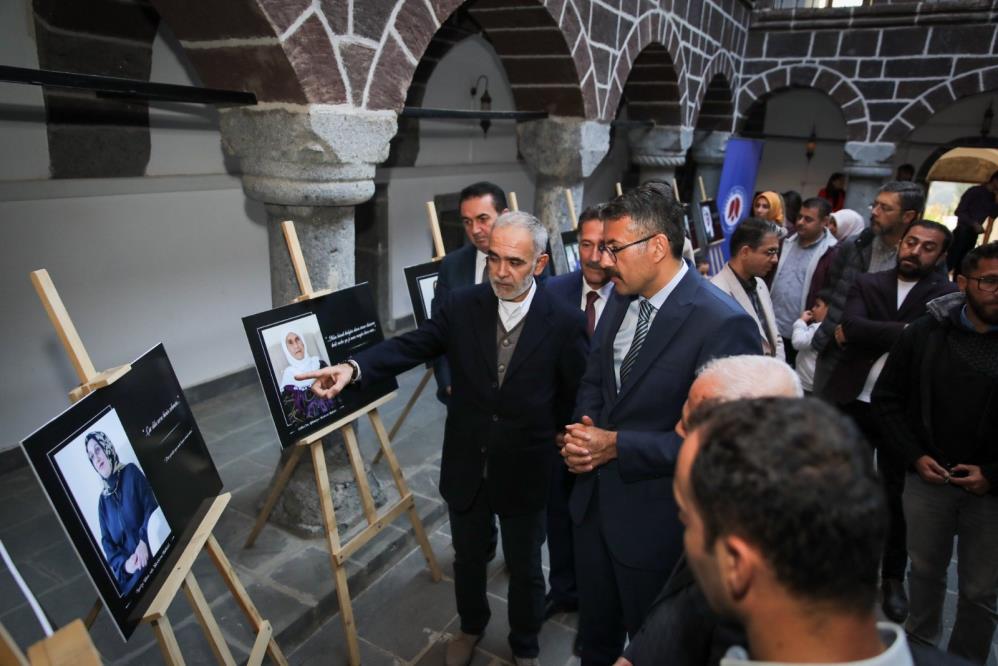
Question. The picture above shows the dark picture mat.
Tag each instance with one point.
(174, 459)
(711, 218)
(570, 241)
(415, 278)
(349, 323)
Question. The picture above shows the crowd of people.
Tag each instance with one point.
(726, 470)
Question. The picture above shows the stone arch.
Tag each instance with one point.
(818, 77)
(655, 41)
(532, 47)
(714, 100)
(937, 98)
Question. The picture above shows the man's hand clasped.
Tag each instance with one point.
(968, 477)
(586, 447)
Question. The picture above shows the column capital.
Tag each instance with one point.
(307, 155)
(565, 149)
(709, 146)
(868, 159)
(659, 146)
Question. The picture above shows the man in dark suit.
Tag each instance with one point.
(480, 204)
(663, 322)
(587, 289)
(877, 309)
(516, 355)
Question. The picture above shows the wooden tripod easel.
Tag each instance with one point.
(181, 576)
(338, 551)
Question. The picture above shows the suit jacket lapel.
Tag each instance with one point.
(535, 328)
(666, 324)
(468, 266)
(485, 324)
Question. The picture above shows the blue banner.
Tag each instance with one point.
(734, 194)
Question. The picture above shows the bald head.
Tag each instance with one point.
(737, 378)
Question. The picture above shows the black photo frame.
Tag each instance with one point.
(422, 283)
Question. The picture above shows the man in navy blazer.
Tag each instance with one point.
(587, 289)
(516, 355)
(878, 308)
(663, 322)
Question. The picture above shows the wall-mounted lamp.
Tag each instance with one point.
(811, 145)
(989, 117)
(484, 103)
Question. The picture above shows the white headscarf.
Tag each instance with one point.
(847, 223)
(297, 366)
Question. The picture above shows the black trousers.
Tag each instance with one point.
(561, 548)
(964, 239)
(788, 349)
(522, 538)
(891, 468)
(613, 598)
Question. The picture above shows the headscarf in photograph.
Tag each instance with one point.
(847, 223)
(297, 366)
(775, 206)
(104, 442)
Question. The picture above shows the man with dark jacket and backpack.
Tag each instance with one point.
(937, 399)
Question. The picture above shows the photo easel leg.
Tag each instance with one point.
(167, 640)
(405, 411)
(207, 621)
(333, 543)
(275, 492)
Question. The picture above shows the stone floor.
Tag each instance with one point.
(401, 615)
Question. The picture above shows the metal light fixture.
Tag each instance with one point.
(484, 103)
(989, 117)
(811, 145)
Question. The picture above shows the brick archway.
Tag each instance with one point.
(714, 100)
(816, 77)
(937, 98)
(655, 36)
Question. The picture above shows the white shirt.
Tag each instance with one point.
(625, 334)
(599, 303)
(897, 653)
(481, 259)
(511, 312)
(904, 288)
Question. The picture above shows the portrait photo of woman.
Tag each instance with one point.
(300, 347)
(127, 511)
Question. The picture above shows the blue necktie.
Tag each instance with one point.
(640, 333)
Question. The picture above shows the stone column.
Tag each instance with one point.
(311, 164)
(659, 150)
(708, 152)
(868, 167)
(561, 152)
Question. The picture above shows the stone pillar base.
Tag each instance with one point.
(868, 168)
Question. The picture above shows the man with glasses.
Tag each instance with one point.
(662, 323)
(755, 250)
(798, 261)
(875, 249)
(937, 398)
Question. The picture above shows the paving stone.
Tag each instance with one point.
(328, 646)
(243, 471)
(280, 608)
(272, 545)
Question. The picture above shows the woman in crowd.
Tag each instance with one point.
(768, 206)
(834, 191)
(124, 508)
(842, 224)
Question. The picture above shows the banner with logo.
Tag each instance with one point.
(734, 194)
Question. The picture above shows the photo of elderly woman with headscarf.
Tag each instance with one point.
(124, 510)
(301, 353)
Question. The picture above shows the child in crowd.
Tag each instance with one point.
(804, 329)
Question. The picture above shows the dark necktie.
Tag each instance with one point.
(485, 272)
(591, 312)
(640, 333)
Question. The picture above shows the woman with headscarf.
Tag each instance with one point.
(842, 224)
(768, 206)
(124, 508)
(300, 403)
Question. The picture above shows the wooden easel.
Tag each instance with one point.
(988, 226)
(181, 576)
(620, 190)
(571, 209)
(339, 552)
(438, 248)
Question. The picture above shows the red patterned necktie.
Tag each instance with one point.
(591, 312)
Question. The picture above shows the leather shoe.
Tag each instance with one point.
(895, 600)
(552, 607)
(461, 649)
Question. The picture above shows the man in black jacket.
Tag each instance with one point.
(879, 307)
(516, 356)
(976, 205)
(937, 399)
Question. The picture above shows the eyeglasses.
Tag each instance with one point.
(887, 209)
(613, 251)
(771, 252)
(988, 283)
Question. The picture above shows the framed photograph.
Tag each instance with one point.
(422, 283)
(129, 477)
(711, 221)
(570, 241)
(307, 336)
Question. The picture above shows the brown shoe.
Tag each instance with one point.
(461, 649)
